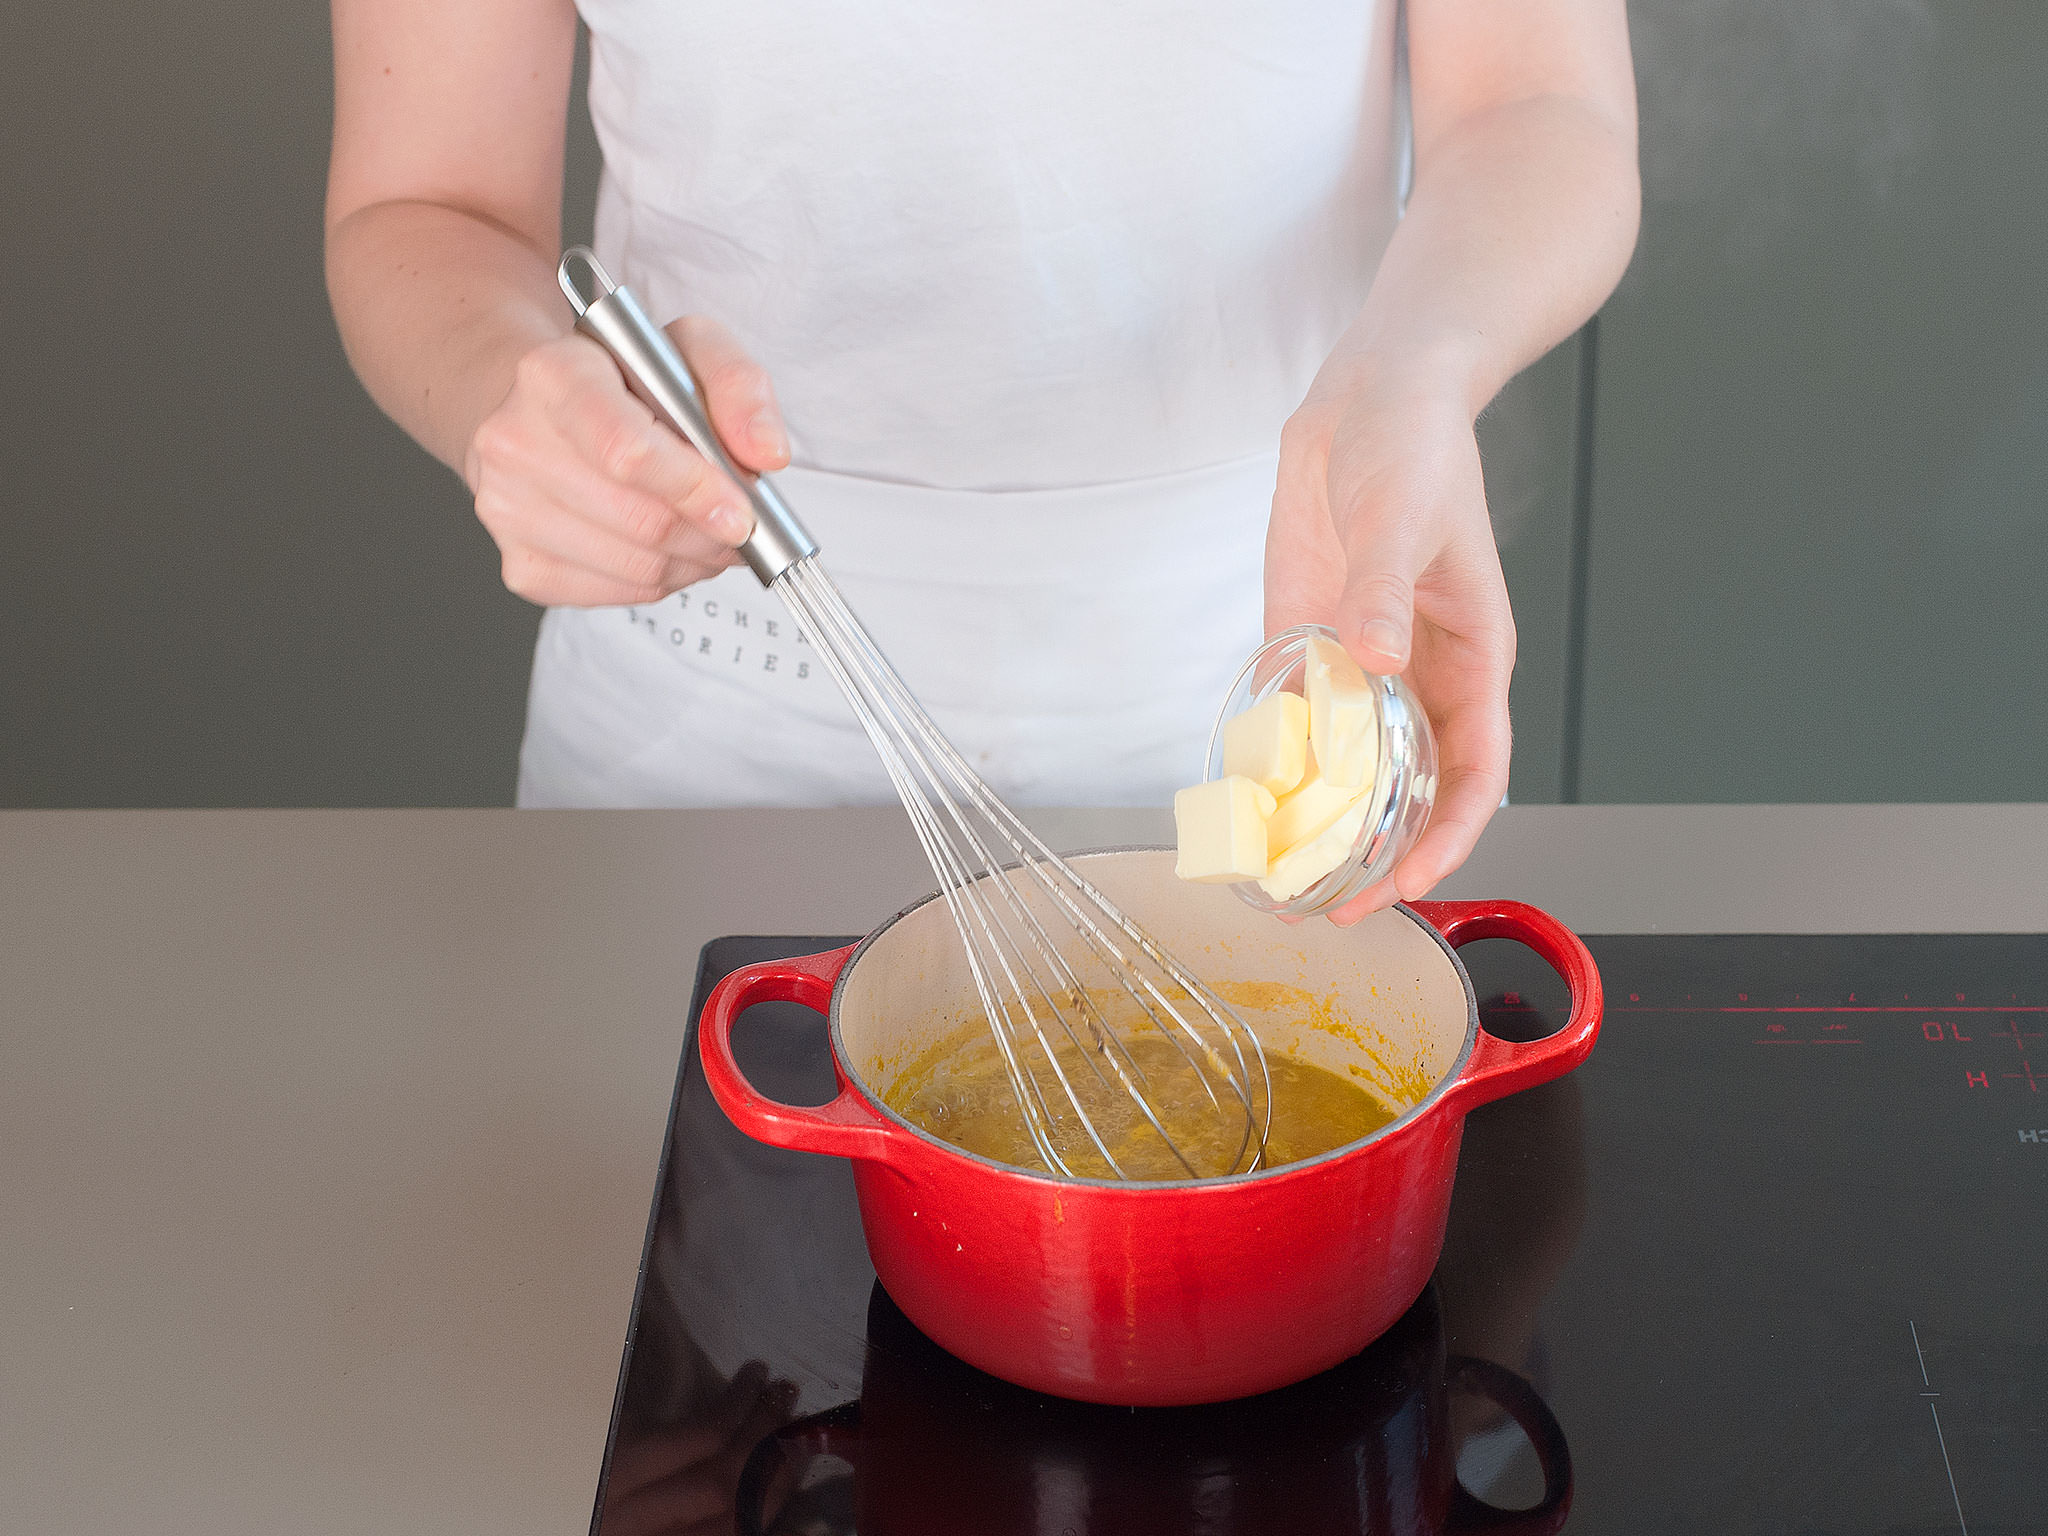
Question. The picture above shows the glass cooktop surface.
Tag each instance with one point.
(1775, 1260)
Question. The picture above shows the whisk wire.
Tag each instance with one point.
(1030, 852)
(886, 692)
(939, 789)
(980, 941)
(985, 941)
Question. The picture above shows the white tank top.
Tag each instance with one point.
(1022, 275)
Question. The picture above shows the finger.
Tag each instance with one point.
(678, 505)
(626, 465)
(769, 1413)
(550, 528)
(1379, 515)
(554, 583)
(737, 393)
(1463, 682)
(1304, 567)
(1476, 742)
(1374, 898)
(1464, 663)
(740, 1397)
(1383, 556)
(1468, 802)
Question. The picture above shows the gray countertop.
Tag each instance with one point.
(327, 1138)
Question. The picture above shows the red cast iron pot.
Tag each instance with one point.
(1167, 1293)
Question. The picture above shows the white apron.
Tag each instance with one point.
(1038, 286)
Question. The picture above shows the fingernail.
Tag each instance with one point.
(1416, 886)
(767, 433)
(1383, 636)
(730, 523)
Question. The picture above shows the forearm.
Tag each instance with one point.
(436, 307)
(1520, 223)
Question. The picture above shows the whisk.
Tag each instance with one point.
(1044, 946)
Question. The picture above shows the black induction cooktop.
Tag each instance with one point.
(1775, 1260)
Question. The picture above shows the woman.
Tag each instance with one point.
(1088, 325)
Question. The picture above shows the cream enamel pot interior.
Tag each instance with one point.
(1167, 1293)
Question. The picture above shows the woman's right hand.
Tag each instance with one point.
(592, 501)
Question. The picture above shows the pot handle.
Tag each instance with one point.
(1500, 1067)
(835, 1432)
(846, 1127)
(1520, 1402)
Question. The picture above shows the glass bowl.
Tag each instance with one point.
(1403, 791)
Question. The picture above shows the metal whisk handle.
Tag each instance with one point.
(656, 370)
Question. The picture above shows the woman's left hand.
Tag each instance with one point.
(1518, 224)
(1380, 530)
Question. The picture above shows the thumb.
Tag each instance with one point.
(1375, 616)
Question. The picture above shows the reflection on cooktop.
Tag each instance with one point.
(1772, 1261)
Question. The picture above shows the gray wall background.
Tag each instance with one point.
(1774, 528)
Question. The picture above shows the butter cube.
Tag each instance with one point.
(1268, 743)
(1296, 869)
(1221, 827)
(1343, 715)
(1308, 809)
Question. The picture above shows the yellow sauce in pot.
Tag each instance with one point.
(959, 1091)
